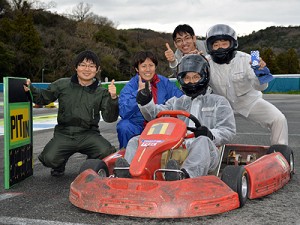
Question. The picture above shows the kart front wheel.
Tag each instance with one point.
(236, 177)
(97, 165)
(287, 153)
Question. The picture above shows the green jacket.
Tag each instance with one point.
(79, 106)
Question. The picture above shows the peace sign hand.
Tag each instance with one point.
(144, 96)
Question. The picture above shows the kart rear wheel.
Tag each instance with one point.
(97, 165)
(287, 153)
(236, 177)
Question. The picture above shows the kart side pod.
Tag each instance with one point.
(267, 174)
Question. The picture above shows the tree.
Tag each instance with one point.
(4, 7)
(293, 61)
(44, 5)
(7, 60)
(21, 5)
(28, 45)
(86, 29)
(106, 34)
(288, 62)
(109, 68)
(22, 42)
(270, 58)
(81, 11)
(99, 20)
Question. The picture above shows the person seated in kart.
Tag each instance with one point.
(213, 111)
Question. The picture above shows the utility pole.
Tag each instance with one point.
(43, 75)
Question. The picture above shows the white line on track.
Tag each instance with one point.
(24, 221)
(8, 195)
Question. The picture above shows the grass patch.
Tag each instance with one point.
(294, 92)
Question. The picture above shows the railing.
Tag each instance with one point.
(282, 83)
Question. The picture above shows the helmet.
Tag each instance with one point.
(194, 63)
(221, 32)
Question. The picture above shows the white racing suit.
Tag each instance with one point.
(238, 83)
(214, 112)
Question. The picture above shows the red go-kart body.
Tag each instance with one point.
(245, 171)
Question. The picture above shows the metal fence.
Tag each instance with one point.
(281, 83)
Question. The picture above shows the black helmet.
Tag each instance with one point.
(221, 32)
(194, 63)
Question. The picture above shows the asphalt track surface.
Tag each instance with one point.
(42, 199)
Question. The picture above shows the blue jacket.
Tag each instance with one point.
(128, 108)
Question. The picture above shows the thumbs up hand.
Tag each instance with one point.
(169, 54)
(112, 89)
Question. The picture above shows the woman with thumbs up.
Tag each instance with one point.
(132, 122)
(81, 99)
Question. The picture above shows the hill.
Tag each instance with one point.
(279, 39)
(40, 45)
(279, 47)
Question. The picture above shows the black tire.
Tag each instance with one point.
(236, 177)
(287, 153)
(97, 165)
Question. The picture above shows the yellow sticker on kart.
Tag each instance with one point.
(161, 128)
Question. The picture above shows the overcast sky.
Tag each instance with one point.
(245, 16)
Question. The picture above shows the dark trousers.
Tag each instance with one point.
(61, 147)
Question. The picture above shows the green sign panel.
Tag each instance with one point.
(18, 148)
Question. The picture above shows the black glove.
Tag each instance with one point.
(144, 96)
(203, 131)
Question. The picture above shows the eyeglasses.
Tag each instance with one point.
(180, 41)
(87, 66)
(188, 79)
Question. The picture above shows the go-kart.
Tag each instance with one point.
(244, 172)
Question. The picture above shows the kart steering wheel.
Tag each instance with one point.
(176, 113)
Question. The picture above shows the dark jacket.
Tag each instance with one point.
(79, 106)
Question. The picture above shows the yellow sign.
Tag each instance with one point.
(19, 124)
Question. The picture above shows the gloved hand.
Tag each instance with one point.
(263, 74)
(203, 131)
(144, 96)
(261, 71)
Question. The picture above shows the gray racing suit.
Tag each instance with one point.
(214, 112)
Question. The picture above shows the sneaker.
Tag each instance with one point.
(122, 168)
(174, 172)
(58, 172)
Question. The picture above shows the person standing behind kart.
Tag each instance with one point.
(80, 98)
(213, 111)
(233, 78)
(185, 42)
(132, 121)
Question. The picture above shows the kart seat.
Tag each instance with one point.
(180, 154)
